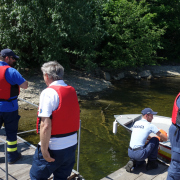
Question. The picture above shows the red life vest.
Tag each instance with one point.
(7, 90)
(176, 112)
(65, 119)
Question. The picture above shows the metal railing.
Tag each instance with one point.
(79, 135)
(5, 143)
(6, 161)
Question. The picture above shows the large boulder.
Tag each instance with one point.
(145, 74)
(119, 76)
(106, 76)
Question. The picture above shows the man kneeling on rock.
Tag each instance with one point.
(138, 151)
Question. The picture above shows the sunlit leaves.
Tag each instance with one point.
(133, 37)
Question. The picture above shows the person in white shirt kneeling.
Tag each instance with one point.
(138, 151)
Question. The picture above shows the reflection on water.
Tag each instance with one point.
(102, 152)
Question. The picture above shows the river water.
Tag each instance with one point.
(101, 151)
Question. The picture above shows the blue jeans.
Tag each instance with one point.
(150, 151)
(174, 168)
(61, 168)
(10, 120)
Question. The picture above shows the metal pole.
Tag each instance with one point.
(6, 161)
(79, 140)
(26, 131)
(28, 102)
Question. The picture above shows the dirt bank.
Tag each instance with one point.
(80, 81)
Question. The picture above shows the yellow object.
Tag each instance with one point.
(11, 149)
(11, 142)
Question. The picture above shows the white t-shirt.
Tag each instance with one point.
(49, 101)
(140, 132)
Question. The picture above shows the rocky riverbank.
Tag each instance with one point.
(82, 82)
(148, 72)
(86, 83)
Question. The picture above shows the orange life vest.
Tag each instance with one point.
(7, 90)
(65, 119)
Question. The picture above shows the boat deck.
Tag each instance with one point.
(140, 173)
(20, 170)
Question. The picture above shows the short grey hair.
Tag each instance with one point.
(53, 69)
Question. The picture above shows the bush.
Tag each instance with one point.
(83, 33)
(168, 15)
(44, 30)
(133, 38)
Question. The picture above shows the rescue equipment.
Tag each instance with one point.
(163, 132)
(176, 112)
(7, 90)
(65, 119)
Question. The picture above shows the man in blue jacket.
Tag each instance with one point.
(10, 83)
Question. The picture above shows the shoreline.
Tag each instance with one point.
(82, 84)
(85, 83)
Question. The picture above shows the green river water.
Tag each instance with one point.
(101, 151)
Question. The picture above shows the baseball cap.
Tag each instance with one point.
(8, 52)
(148, 111)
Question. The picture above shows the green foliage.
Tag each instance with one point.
(133, 38)
(44, 30)
(91, 33)
(168, 14)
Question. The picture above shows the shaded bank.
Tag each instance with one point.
(82, 82)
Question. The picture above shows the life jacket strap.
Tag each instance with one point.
(8, 100)
(177, 128)
(63, 135)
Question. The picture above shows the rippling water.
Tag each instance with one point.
(102, 152)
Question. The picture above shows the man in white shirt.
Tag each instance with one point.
(137, 150)
(58, 122)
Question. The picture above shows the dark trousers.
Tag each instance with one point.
(61, 168)
(174, 168)
(150, 151)
(10, 120)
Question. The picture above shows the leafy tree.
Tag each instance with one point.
(83, 33)
(44, 30)
(168, 14)
(132, 36)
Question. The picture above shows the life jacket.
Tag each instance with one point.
(7, 90)
(176, 112)
(65, 119)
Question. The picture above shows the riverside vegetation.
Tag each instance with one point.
(111, 34)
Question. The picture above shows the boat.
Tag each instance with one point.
(162, 122)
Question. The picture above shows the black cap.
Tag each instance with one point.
(8, 52)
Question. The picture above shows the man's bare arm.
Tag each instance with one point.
(24, 85)
(45, 134)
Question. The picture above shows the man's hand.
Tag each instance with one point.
(45, 134)
(47, 156)
(163, 135)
